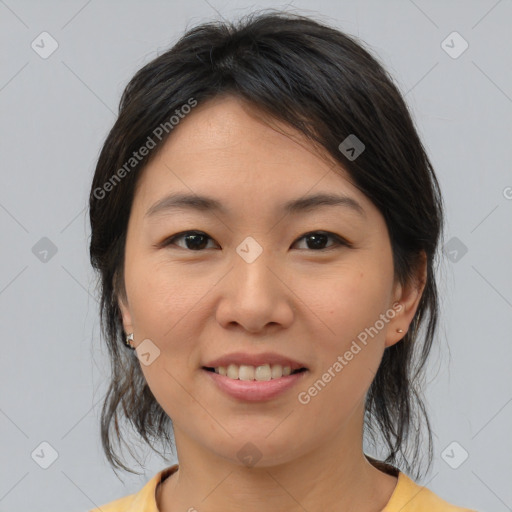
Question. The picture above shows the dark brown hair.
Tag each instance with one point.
(327, 85)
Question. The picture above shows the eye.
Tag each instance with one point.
(317, 239)
(197, 240)
(194, 240)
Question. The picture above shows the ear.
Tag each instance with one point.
(122, 302)
(409, 297)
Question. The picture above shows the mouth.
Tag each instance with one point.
(260, 367)
(254, 384)
(225, 371)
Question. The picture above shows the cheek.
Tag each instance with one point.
(349, 356)
(348, 301)
(352, 306)
(161, 297)
(165, 304)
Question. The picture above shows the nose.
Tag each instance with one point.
(255, 296)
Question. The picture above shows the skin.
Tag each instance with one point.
(295, 299)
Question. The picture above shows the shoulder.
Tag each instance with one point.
(142, 501)
(119, 505)
(412, 497)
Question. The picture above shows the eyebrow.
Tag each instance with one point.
(180, 201)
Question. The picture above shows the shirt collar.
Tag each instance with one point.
(145, 499)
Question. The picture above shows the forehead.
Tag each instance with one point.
(226, 149)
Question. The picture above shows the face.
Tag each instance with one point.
(306, 284)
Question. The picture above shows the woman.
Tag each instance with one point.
(265, 223)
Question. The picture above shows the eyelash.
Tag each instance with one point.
(338, 239)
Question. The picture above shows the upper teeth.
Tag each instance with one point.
(246, 372)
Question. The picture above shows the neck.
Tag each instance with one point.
(335, 475)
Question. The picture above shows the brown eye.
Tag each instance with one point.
(198, 241)
(316, 240)
(194, 240)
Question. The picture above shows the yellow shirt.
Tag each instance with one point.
(407, 497)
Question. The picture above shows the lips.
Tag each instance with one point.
(240, 358)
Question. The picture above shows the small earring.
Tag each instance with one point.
(399, 330)
(129, 339)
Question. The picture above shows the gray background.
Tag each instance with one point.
(55, 114)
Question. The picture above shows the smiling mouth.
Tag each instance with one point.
(254, 384)
(299, 370)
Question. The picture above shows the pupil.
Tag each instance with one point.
(318, 241)
(195, 237)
